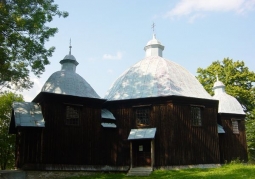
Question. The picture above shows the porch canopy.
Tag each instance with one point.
(148, 133)
(26, 114)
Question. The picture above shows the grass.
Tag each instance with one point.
(230, 171)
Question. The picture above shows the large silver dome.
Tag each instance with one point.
(155, 76)
(68, 82)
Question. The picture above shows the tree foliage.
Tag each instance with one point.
(250, 133)
(7, 141)
(239, 82)
(23, 33)
(238, 79)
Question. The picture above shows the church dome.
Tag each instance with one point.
(68, 82)
(227, 103)
(153, 41)
(155, 76)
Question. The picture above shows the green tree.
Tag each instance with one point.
(23, 33)
(239, 82)
(7, 141)
(250, 133)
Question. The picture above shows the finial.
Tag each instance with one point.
(70, 46)
(217, 77)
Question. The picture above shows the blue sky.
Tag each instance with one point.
(109, 36)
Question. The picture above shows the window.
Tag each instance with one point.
(142, 116)
(72, 115)
(235, 126)
(196, 116)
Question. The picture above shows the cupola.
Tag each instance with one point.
(153, 47)
(69, 62)
(227, 103)
(67, 81)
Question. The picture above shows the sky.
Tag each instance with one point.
(108, 37)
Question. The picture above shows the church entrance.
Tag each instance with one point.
(142, 147)
(141, 153)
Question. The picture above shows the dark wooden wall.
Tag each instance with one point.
(232, 146)
(177, 142)
(28, 146)
(70, 144)
(61, 144)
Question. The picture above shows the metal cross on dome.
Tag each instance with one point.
(153, 26)
(70, 47)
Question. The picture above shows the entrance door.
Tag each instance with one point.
(142, 153)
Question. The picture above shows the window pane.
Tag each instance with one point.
(235, 127)
(196, 116)
(72, 115)
(142, 116)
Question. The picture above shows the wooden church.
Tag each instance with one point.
(155, 114)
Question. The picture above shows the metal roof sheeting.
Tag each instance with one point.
(227, 104)
(155, 76)
(106, 114)
(28, 114)
(108, 125)
(68, 82)
(220, 129)
(148, 133)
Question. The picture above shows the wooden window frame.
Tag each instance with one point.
(72, 115)
(142, 115)
(196, 115)
(235, 126)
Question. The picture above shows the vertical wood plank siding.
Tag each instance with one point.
(177, 142)
(232, 146)
(28, 146)
(59, 143)
(67, 144)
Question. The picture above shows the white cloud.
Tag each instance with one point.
(118, 56)
(197, 8)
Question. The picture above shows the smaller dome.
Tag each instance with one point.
(227, 103)
(69, 57)
(67, 81)
(153, 41)
(218, 84)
